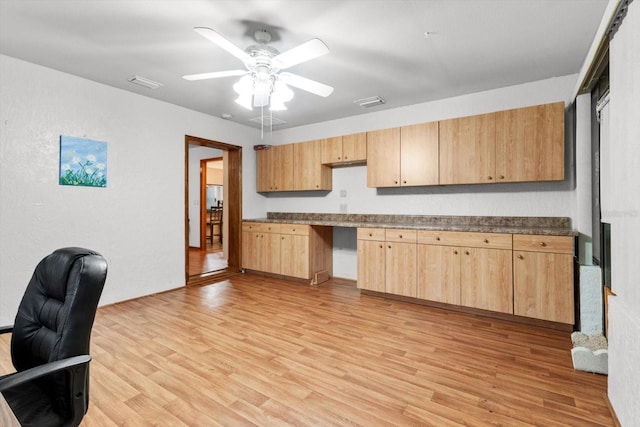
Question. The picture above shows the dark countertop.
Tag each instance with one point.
(552, 226)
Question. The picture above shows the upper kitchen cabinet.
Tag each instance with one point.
(419, 154)
(345, 150)
(530, 143)
(467, 150)
(402, 157)
(383, 158)
(275, 168)
(308, 171)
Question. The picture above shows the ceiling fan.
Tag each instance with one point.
(263, 83)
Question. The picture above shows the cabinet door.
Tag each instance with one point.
(486, 279)
(263, 171)
(331, 150)
(270, 253)
(371, 265)
(354, 147)
(309, 173)
(280, 160)
(419, 154)
(467, 150)
(543, 286)
(400, 269)
(383, 158)
(439, 273)
(530, 143)
(294, 255)
(251, 250)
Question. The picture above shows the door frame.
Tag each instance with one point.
(233, 204)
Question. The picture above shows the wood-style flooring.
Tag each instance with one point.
(259, 351)
(206, 261)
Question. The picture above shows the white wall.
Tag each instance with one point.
(624, 309)
(137, 222)
(524, 199)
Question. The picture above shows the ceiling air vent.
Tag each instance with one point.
(370, 102)
(267, 121)
(144, 82)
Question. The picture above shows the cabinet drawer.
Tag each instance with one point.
(400, 235)
(261, 227)
(371, 234)
(536, 243)
(460, 238)
(298, 229)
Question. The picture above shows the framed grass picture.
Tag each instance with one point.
(83, 162)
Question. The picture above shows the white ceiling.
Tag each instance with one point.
(377, 47)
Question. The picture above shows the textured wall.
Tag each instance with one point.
(624, 215)
(137, 222)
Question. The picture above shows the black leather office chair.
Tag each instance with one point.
(50, 340)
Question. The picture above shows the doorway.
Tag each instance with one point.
(197, 270)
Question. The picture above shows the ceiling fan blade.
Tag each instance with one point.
(305, 52)
(216, 38)
(215, 75)
(303, 83)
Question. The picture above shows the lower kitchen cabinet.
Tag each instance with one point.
(543, 277)
(438, 273)
(486, 279)
(371, 264)
(387, 261)
(292, 250)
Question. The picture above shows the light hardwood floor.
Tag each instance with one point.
(258, 351)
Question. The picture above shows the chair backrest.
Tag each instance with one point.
(215, 215)
(58, 308)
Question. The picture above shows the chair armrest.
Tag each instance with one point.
(6, 329)
(18, 378)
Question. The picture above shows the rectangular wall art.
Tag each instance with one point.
(83, 162)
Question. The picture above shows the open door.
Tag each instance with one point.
(232, 157)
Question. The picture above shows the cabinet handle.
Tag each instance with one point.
(400, 236)
(501, 176)
(381, 246)
(339, 157)
(404, 181)
(282, 238)
(389, 246)
(455, 252)
(543, 244)
(438, 238)
(520, 256)
(486, 240)
(345, 157)
(395, 182)
(466, 252)
(370, 234)
(490, 177)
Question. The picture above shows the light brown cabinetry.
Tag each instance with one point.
(387, 260)
(401, 157)
(308, 171)
(469, 269)
(261, 247)
(400, 262)
(347, 149)
(530, 143)
(467, 150)
(543, 277)
(383, 158)
(291, 250)
(371, 259)
(275, 168)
